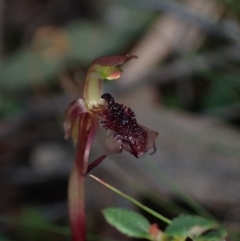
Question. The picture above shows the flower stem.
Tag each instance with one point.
(76, 203)
(155, 214)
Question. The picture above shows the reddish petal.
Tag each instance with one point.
(113, 60)
(95, 163)
(74, 110)
(88, 125)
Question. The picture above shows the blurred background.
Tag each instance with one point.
(185, 85)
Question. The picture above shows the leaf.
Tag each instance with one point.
(215, 235)
(190, 226)
(127, 222)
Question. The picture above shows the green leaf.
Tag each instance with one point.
(127, 222)
(215, 235)
(190, 226)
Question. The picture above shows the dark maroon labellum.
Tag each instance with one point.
(127, 134)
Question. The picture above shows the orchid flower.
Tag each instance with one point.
(81, 123)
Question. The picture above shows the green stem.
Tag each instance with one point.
(155, 214)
